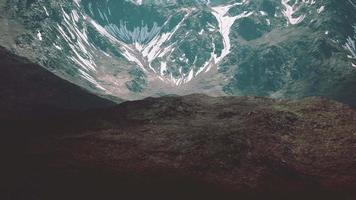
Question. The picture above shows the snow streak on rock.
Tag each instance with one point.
(225, 21)
(143, 45)
(141, 35)
(290, 10)
(225, 24)
(350, 46)
(77, 40)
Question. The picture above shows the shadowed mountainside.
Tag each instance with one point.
(28, 90)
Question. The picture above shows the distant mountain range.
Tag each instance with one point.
(136, 49)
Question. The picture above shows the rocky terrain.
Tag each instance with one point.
(191, 147)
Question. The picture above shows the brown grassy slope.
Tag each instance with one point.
(199, 147)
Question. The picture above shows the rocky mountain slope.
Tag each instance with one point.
(135, 49)
(191, 147)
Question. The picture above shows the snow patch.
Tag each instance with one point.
(225, 23)
(289, 12)
(46, 11)
(57, 47)
(39, 35)
(268, 22)
(221, 13)
(77, 2)
(321, 9)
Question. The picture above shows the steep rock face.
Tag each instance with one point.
(135, 49)
(194, 147)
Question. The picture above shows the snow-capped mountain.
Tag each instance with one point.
(138, 48)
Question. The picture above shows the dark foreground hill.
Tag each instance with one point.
(28, 90)
(192, 147)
